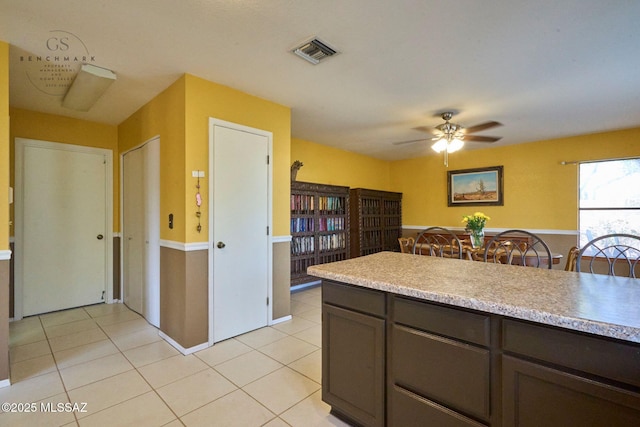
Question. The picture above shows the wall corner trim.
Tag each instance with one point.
(5, 255)
(181, 349)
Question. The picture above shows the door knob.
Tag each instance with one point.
(100, 236)
(221, 245)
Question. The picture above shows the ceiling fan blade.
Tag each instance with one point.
(478, 138)
(410, 141)
(482, 126)
(428, 129)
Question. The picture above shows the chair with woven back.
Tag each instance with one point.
(406, 244)
(616, 254)
(518, 247)
(572, 257)
(438, 241)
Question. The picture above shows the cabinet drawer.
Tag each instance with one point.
(353, 366)
(450, 322)
(535, 395)
(354, 298)
(451, 373)
(615, 360)
(410, 410)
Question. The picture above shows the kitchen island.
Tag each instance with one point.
(414, 340)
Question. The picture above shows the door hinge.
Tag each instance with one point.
(267, 159)
(267, 300)
(103, 295)
(267, 230)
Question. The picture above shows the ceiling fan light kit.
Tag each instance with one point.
(450, 136)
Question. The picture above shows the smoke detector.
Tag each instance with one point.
(314, 51)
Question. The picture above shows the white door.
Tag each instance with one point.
(240, 218)
(141, 230)
(63, 226)
(133, 216)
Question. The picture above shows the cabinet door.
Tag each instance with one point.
(535, 395)
(353, 364)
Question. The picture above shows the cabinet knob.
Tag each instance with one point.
(221, 245)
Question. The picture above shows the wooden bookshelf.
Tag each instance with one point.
(319, 227)
(376, 221)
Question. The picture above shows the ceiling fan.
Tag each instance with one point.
(450, 137)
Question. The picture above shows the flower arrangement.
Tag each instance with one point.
(475, 222)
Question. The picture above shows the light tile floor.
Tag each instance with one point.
(112, 360)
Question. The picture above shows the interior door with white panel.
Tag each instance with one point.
(63, 233)
(240, 220)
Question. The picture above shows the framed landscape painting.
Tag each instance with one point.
(475, 187)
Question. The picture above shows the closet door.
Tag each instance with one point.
(141, 230)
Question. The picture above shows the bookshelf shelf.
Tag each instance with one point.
(319, 227)
(376, 221)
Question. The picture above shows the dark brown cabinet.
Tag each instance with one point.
(454, 367)
(440, 362)
(319, 227)
(376, 221)
(556, 377)
(353, 368)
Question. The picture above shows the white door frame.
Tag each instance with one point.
(217, 122)
(155, 221)
(20, 144)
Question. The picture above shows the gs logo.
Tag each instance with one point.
(58, 44)
(64, 41)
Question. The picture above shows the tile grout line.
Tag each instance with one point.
(312, 324)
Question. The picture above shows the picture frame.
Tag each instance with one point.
(476, 187)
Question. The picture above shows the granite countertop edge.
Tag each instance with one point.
(533, 314)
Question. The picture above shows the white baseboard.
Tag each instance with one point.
(5, 383)
(181, 349)
(280, 320)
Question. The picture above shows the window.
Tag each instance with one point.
(609, 198)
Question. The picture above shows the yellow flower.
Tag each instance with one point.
(476, 221)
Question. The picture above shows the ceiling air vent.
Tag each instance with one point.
(314, 51)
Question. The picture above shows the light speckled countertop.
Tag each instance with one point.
(597, 304)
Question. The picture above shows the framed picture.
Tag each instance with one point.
(475, 187)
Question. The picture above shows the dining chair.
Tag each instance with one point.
(406, 244)
(518, 247)
(616, 254)
(572, 257)
(438, 241)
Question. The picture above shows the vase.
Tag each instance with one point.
(477, 238)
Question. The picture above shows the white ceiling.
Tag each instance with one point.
(545, 68)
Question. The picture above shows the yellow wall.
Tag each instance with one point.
(180, 116)
(4, 146)
(163, 116)
(48, 127)
(539, 192)
(206, 99)
(328, 165)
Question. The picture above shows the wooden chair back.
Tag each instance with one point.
(572, 257)
(406, 244)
